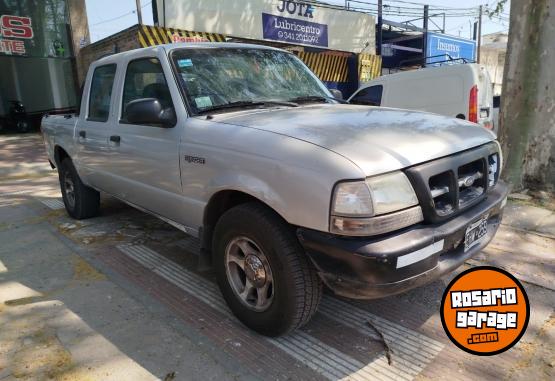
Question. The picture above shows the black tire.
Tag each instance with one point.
(296, 287)
(22, 127)
(85, 201)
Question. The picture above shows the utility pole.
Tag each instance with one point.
(380, 26)
(425, 35)
(139, 14)
(155, 13)
(479, 33)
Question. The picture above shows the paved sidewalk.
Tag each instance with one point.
(120, 297)
(23, 156)
(529, 218)
(62, 319)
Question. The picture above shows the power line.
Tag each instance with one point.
(403, 11)
(121, 16)
(114, 19)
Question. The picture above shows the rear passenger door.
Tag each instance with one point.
(145, 158)
(93, 127)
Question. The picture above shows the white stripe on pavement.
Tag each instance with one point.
(52, 203)
(411, 350)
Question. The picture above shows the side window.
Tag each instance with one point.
(496, 101)
(145, 79)
(79, 100)
(370, 96)
(101, 93)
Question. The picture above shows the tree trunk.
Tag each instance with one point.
(527, 130)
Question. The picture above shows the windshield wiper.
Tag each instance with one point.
(239, 104)
(315, 98)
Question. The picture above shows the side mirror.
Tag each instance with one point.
(149, 111)
(337, 94)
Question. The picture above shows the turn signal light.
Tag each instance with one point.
(473, 104)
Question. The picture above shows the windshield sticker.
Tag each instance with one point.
(187, 62)
(203, 102)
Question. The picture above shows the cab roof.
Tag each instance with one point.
(189, 45)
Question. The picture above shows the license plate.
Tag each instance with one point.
(475, 233)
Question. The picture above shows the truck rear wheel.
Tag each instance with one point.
(80, 200)
(264, 275)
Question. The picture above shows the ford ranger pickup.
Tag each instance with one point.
(287, 188)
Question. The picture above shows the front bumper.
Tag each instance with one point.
(374, 267)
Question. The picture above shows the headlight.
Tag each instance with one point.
(391, 192)
(366, 207)
(495, 165)
(500, 152)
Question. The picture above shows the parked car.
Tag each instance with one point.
(243, 147)
(461, 91)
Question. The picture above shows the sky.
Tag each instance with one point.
(107, 17)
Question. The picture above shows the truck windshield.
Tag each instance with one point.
(223, 79)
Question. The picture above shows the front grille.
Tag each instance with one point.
(441, 189)
(471, 181)
(449, 185)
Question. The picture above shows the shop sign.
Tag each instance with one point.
(177, 38)
(14, 30)
(442, 48)
(294, 31)
(302, 22)
(292, 7)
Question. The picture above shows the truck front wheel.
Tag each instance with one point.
(263, 273)
(80, 200)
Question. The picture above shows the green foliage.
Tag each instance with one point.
(498, 9)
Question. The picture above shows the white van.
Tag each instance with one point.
(461, 91)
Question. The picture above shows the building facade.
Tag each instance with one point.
(492, 56)
(336, 44)
(39, 40)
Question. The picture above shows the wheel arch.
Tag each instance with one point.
(219, 203)
(59, 155)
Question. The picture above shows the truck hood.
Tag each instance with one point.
(376, 139)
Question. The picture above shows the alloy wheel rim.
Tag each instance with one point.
(69, 189)
(249, 274)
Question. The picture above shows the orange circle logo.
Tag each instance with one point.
(485, 311)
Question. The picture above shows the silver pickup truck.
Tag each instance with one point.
(286, 187)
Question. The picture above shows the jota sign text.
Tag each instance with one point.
(294, 8)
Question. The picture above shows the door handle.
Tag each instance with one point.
(82, 134)
(115, 138)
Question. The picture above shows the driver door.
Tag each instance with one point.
(145, 158)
